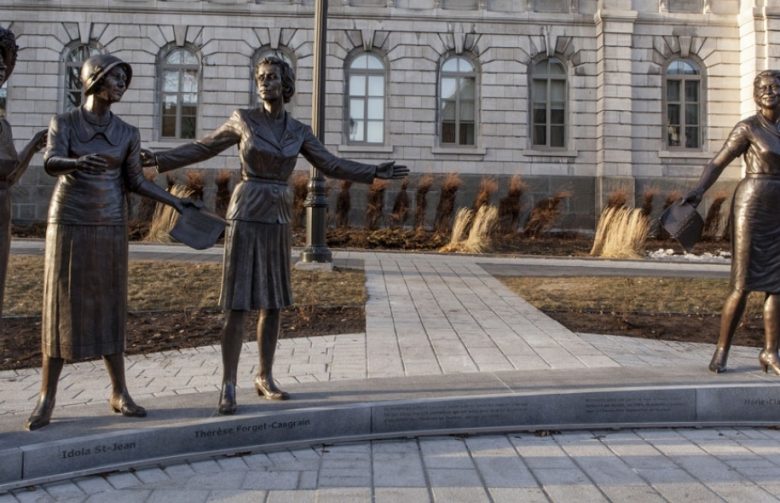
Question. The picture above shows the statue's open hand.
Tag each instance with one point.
(39, 140)
(147, 158)
(390, 170)
(693, 197)
(91, 163)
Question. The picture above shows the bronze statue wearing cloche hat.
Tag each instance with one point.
(97, 67)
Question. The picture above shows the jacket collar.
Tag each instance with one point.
(262, 128)
(85, 131)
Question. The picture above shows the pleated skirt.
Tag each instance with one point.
(755, 265)
(85, 291)
(256, 271)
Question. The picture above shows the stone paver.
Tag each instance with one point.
(641, 465)
(428, 314)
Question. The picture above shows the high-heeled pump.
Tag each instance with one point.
(718, 362)
(123, 404)
(41, 415)
(267, 388)
(769, 360)
(227, 400)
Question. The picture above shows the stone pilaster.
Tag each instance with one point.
(614, 32)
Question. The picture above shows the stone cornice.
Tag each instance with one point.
(273, 10)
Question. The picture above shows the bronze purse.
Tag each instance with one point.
(198, 228)
(683, 223)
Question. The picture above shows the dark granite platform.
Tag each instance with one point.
(90, 439)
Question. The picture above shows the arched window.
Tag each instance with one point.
(683, 111)
(179, 83)
(548, 103)
(72, 58)
(366, 95)
(457, 102)
(259, 55)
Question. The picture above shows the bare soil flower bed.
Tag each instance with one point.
(173, 305)
(20, 337)
(672, 309)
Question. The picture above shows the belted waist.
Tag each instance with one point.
(265, 180)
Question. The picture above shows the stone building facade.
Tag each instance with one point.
(587, 96)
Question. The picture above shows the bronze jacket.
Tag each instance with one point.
(266, 163)
(759, 142)
(86, 198)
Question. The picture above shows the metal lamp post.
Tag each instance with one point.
(316, 250)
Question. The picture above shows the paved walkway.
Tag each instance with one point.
(431, 314)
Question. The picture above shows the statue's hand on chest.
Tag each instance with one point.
(94, 164)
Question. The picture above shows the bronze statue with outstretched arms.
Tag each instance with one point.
(256, 269)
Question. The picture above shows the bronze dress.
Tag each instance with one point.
(256, 269)
(9, 161)
(755, 209)
(85, 273)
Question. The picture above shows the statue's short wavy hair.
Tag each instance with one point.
(766, 73)
(8, 50)
(287, 75)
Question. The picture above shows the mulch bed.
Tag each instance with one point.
(660, 326)
(161, 331)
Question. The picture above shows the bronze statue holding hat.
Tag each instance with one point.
(12, 164)
(256, 270)
(755, 213)
(96, 159)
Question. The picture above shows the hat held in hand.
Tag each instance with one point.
(198, 228)
(683, 223)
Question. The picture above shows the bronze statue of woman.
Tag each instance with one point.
(96, 159)
(12, 165)
(256, 269)
(755, 211)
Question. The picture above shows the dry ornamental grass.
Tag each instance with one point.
(621, 233)
(424, 185)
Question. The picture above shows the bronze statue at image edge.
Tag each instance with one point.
(12, 165)
(755, 239)
(96, 159)
(256, 269)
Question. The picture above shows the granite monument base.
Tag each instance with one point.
(89, 439)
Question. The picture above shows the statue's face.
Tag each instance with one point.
(766, 92)
(269, 82)
(113, 86)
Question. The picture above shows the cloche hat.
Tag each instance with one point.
(95, 68)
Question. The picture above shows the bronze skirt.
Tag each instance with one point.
(256, 270)
(755, 265)
(84, 290)
(5, 237)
